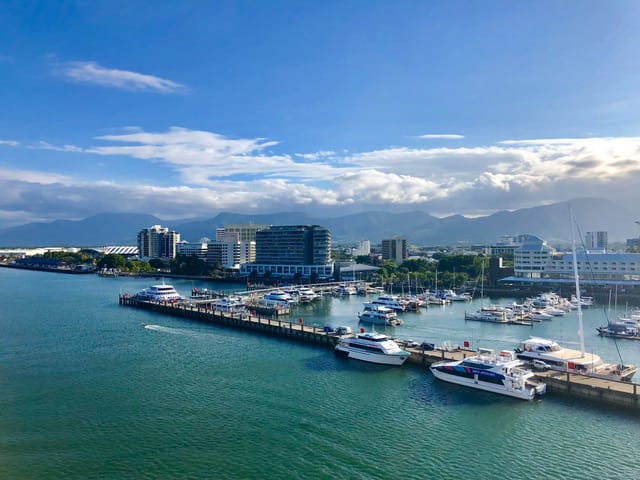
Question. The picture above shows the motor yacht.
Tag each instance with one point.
(572, 361)
(503, 374)
(379, 315)
(372, 347)
(390, 301)
(278, 298)
(233, 304)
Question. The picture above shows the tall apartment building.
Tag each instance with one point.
(596, 240)
(245, 232)
(231, 253)
(157, 242)
(287, 250)
(395, 249)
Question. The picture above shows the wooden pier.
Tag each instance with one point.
(605, 392)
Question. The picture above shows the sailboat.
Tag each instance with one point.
(542, 351)
(493, 314)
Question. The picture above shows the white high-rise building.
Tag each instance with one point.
(363, 248)
(157, 242)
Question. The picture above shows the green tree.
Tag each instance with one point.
(112, 260)
(189, 265)
(157, 264)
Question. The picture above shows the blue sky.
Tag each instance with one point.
(187, 109)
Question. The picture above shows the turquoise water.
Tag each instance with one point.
(87, 392)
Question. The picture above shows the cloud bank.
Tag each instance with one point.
(208, 173)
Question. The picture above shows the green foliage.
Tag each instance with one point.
(363, 259)
(157, 263)
(112, 261)
(189, 265)
(78, 258)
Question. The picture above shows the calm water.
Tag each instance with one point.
(87, 392)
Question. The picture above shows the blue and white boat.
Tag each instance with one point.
(503, 374)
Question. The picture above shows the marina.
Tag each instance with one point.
(572, 382)
(182, 397)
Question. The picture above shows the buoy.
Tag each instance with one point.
(466, 344)
(300, 320)
(362, 330)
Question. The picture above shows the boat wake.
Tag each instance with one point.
(173, 331)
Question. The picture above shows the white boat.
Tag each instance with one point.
(451, 296)
(346, 289)
(306, 294)
(503, 374)
(569, 360)
(390, 301)
(379, 315)
(278, 298)
(372, 347)
(160, 293)
(584, 301)
(554, 311)
(539, 315)
(230, 305)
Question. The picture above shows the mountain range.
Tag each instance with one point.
(550, 222)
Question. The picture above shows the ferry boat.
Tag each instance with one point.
(372, 347)
(379, 315)
(160, 293)
(572, 361)
(487, 371)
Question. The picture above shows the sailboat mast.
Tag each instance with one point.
(577, 277)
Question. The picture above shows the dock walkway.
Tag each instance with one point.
(607, 392)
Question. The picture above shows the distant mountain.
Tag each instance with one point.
(100, 229)
(550, 222)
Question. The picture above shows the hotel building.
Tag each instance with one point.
(290, 250)
(157, 242)
(395, 249)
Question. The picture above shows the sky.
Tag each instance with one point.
(188, 109)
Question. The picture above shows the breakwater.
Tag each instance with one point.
(604, 392)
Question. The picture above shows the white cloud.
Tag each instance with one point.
(30, 176)
(316, 155)
(441, 136)
(201, 156)
(92, 72)
(11, 143)
(47, 146)
(220, 173)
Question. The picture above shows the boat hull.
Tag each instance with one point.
(522, 394)
(371, 357)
